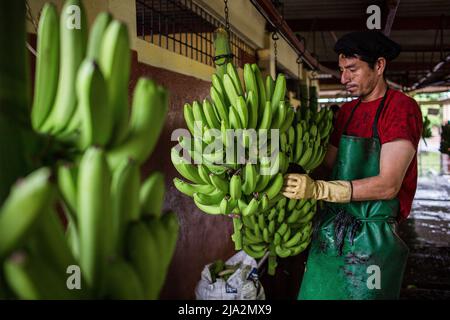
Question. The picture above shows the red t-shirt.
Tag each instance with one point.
(401, 118)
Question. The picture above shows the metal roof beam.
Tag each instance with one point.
(350, 24)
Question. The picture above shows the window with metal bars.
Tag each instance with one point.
(186, 28)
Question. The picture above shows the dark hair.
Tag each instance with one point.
(370, 61)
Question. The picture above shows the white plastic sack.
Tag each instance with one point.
(243, 284)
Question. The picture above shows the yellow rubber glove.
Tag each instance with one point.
(301, 186)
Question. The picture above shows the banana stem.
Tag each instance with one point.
(222, 49)
(272, 265)
(237, 236)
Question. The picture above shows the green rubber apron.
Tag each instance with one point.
(356, 252)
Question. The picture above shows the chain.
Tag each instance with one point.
(30, 17)
(275, 38)
(227, 22)
(33, 22)
(299, 63)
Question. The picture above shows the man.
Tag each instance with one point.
(356, 252)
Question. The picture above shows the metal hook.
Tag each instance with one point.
(275, 36)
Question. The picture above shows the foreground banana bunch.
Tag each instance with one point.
(116, 234)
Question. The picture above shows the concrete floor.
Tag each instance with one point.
(427, 234)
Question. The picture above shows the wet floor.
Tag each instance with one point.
(427, 234)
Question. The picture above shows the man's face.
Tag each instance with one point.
(359, 79)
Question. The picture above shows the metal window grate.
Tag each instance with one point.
(184, 27)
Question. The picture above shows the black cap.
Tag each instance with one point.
(370, 45)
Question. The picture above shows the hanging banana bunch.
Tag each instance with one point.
(116, 231)
(229, 183)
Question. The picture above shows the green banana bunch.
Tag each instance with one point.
(311, 139)
(227, 183)
(81, 100)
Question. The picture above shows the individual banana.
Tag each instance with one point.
(189, 117)
(189, 189)
(282, 252)
(96, 35)
(235, 120)
(210, 115)
(261, 89)
(73, 40)
(115, 50)
(279, 91)
(93, 106)
(232, 72)
(27, 201)
(47, 65)
(151, 196)
(199, 116)
(251, 208)
(236, 187)
(251, 84)
(225, 207)
(306, 156)
(94, 216)
(210, 209)
(264, 176)
(165, 230)
(212, 198)
(218, 86)
(123, 282)
(220, 105)
(242, 110)
(252, 103)
(126, 206)
(275, 187)
(230, 89)
(307, 218)
(142, 250)
(150, 106)
(270, 87)
(266, 119)
(220, 183)
(294, 240)
(204, 172)
(299, 248)
(250, 179)
(186, 169)
(288, 120)
(67, 185)
(255, 254)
